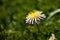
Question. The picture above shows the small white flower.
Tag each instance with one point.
(52, 37)
(34, 16)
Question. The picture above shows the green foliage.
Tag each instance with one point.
(13, 15)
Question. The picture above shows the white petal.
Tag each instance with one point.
(35, 20)
(41, 18)
(26, 21)
(32, 21)
(41, 12)
(43, 15)
(38, 19)
(27, 17)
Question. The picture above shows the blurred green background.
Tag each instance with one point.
(13, 15)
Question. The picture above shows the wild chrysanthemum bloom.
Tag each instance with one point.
(34, 16)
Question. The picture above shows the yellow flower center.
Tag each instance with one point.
(34, 14)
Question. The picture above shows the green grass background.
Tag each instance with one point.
(13, 15)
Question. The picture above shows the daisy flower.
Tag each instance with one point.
(34, 16)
